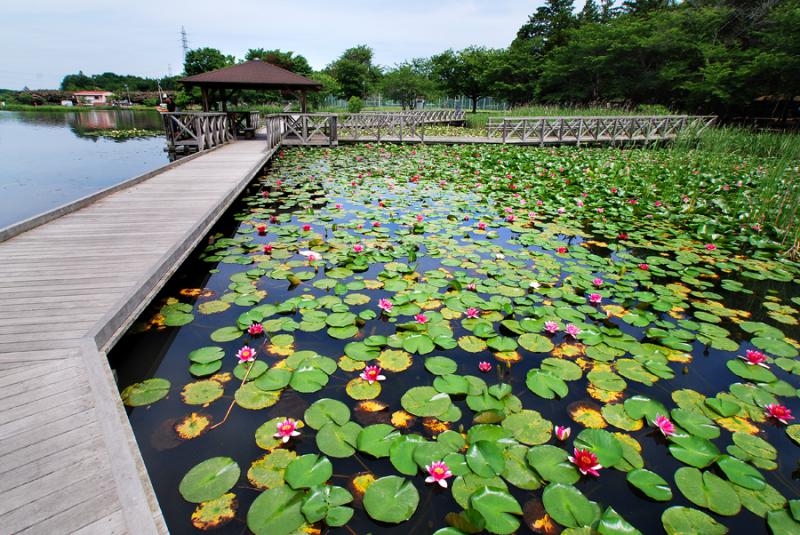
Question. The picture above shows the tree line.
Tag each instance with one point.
(699, 56)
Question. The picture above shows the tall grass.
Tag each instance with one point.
(773, 200)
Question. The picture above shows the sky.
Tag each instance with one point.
(44, 40)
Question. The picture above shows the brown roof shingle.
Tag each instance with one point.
(253, 74)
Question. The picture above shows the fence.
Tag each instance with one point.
(579, 130)
(457, 103)
(198, 131)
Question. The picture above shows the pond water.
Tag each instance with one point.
(477, 250)
(51, 158)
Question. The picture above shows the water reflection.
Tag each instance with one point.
(50, 158)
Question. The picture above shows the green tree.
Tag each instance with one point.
(549, 26)
(589, 13)
(354, 72)
(405, 83)
(298, 64)
(205, 59)
(471, 72)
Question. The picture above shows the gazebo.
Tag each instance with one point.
(255, 74)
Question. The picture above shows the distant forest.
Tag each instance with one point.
(708, 56)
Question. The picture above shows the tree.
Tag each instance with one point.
(354, 72)
(330, 87)
(645, 6)
(206, 59)
(548, 27)
(405, 83)
(589, 13)
(470, 72)
(298, 64)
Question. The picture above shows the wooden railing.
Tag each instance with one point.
(579, 130)
(426, 116)
(196, 131)
(244, 123)
(309, 128)
(386, 126)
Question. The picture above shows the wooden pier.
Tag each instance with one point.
(70, 287)
(74, 279)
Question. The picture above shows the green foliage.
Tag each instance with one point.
(355, 104)
(405, 83)
(205, 59)
(354, 72)
(298, 64)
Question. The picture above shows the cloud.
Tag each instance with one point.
(52, 38)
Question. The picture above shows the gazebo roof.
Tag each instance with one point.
(254, 74)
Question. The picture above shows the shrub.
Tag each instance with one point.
(355, 105)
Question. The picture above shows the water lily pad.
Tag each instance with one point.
(307, 471)
(485, 458)
(267, 472)
(694, 451)
(337, 440)
(145, 393)
(741, 473)
(249, 396)
(209, 480)
(651, 484)
(324, 502)
(536, 343)
(528, 427)
(202, 392)
(326, 410)
(551, 463)
(498, 508)
(360, 389)
(425, 401)
(215, 513)
(440, 365)
(226, 334)
(391, 499)
(679, 520)
(568, 506)
(707, 490)
(276, 512)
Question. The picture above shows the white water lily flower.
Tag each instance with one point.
(311, 255)
(500, 256)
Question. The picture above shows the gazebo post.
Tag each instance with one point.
(303, 101)
(204, 91)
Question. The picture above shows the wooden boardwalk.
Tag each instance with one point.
(69, 462)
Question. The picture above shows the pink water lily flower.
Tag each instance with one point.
(473, 312)
(357, 248)
(267, 249)
(421, 318)
(595, 298)
(481, 225)
(755, 358)
(551, 327)
(306, 228)
(598, 282)
(644, 266)
(438, 472)
(573, 330)
(484, 366)
(286, 430)
(256, 329)
(262, 229)
(664, 425)
(338, 206)
(562, 433)
(372, 374)
(585, 461)
(246, 354)
(710, 247)
(471, 286)
(420, 217)
(779, 412)
(385, 305)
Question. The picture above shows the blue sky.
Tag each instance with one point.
(46, 39)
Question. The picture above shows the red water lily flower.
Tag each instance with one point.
(755, 358)
(256, 329)
(422, 319)
(664, 425)
(484, 366)
(779, 412)
(644, 266)
(306, 228)
(372, 374)
(286, 430)
(586, 461)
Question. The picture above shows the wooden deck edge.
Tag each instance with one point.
(38, 220)
(111, 327)
(140, 507)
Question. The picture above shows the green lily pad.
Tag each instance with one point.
(425, 401)
(568, 506)
(679, 520)
(276, 512)
(307, 471)
(498, 508)
(209, 480)
(391, 499)
(651, 484)
(145, 393)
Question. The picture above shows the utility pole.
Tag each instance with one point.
(184, 41)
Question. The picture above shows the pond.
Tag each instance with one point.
(365, 312)
(51, 158)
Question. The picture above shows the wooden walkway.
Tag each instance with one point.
(69, 462)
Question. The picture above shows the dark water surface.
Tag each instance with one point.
(162, 353)
(51, 158)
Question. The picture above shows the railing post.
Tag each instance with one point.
(333, 138)
(580, 131)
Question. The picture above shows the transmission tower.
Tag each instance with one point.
(184, 41)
